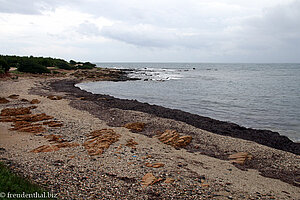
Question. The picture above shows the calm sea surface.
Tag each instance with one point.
(265, 96)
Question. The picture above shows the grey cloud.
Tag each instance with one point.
(152, 36)
(88, 28)
(140, 35)
(18, 6)
(31, 7)
(213, 28)
(277, 30)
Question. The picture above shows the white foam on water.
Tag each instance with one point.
(157, 74)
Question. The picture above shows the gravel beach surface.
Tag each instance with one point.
(201, 170)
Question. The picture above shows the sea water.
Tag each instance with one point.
(262, 96)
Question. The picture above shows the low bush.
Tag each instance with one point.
(3, 66)
(31, 66)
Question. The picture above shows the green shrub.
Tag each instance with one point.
(55, 72)
(2, 71)
(86, 65)
(63, 65)
(72, 62)
(3, 66)
(30, 66)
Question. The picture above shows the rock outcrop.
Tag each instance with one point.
(53, 123)
(35, 101)
(149, 179)
(15, 111)
(24, 120)
(154, 165)
(135, 127)
(58, 143)
(131, 143)
(3, 100)
(52, 97)
(14, 96)
(100, 140)
(173, 138)
(240, 157)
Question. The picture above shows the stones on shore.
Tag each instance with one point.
(58, 141)
(53, 123)
(100, 140)
(28, 127)
(54, 138)
(51, 148)
(154, 165)
(131, 143)
(240, 157)
(45, 148)
(35, 101)
(14, 96)
(135, 127)
(15, 111)
(54, 97)
(24, 120)
(102, 75)
(3, 100)
(169, 180)
(173, 138)
(297, 180)
(149, 179)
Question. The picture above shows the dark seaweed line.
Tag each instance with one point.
(264, 137)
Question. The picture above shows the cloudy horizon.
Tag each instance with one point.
(153, 31)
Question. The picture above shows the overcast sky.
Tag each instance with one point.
(152, 31)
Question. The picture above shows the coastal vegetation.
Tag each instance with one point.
(3, 66)
(14, 184)
(39, 65)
